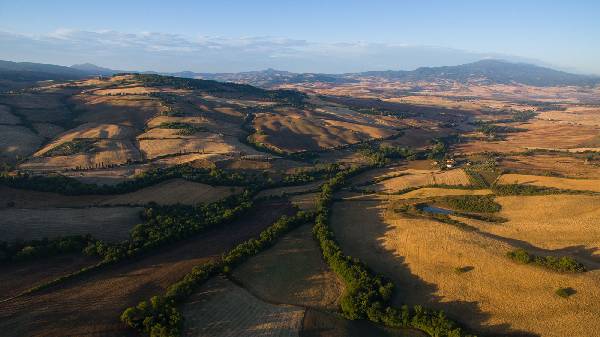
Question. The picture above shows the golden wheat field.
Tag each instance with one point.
(555, 182)
(428, 192)
(223, 309)
(542, 164)
(567, 223)
(414, 178)
(494, 295)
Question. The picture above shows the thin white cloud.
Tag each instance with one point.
(172, 52)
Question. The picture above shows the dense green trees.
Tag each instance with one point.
(27, 250)
(367, 295)
(159, 316)
(471, 203)
(290, 97)
(563, 264)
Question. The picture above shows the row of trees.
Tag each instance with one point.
(563, 264)
(26, 250)
(367, 295)
(212, 176)
(159, 317)
(167, 224)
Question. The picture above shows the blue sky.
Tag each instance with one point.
(330, 36)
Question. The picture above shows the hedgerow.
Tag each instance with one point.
(563, 264)
(367, 295)
(159, 316)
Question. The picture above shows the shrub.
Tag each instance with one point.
(565, 292)
(472, 203)
(563, 264)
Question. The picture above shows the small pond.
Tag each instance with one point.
(435, 210)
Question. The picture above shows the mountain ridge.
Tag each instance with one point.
(487, 71)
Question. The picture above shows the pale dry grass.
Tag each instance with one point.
(132, 110)
(496, 296)
(416, 178)
(303, 279)
(104, 223)
(540, 164)
(555, 182)
(204, 143)
(222, 309)
(126, 91)
(540, 134)
(106, 152)
(551, 221)
(429, 192)
(90, 131)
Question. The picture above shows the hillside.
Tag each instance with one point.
(490, 72)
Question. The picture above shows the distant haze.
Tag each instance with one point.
(169, 53)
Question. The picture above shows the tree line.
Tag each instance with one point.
(367, 295)
(159, 316)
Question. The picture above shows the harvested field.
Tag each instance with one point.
(91, 131)
(130, 110)
(18, 277)
(17, 141)
(540, 134)
(105, 223)
(555, 182)
(32, 100)
(172, 192)
(105, 152)
(306, 202)
(494, 296)
(303, 279)
(416, 178)
(322, 324)
(65, 310)
(220, 309)
(280, 191)
(6, 117)
(295, 130)
(48, 130)
(565, 223)
(165, 193)
(204, 143)
(542, 164)
(428, 192)
(575, 115)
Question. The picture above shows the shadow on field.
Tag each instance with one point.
(410, 289)
(585, 255)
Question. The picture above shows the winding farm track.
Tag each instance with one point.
(91, 306)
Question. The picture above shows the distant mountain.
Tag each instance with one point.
(268, 77)
(490, 72)
(28, 71)
(484, 72)
(93, 69)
